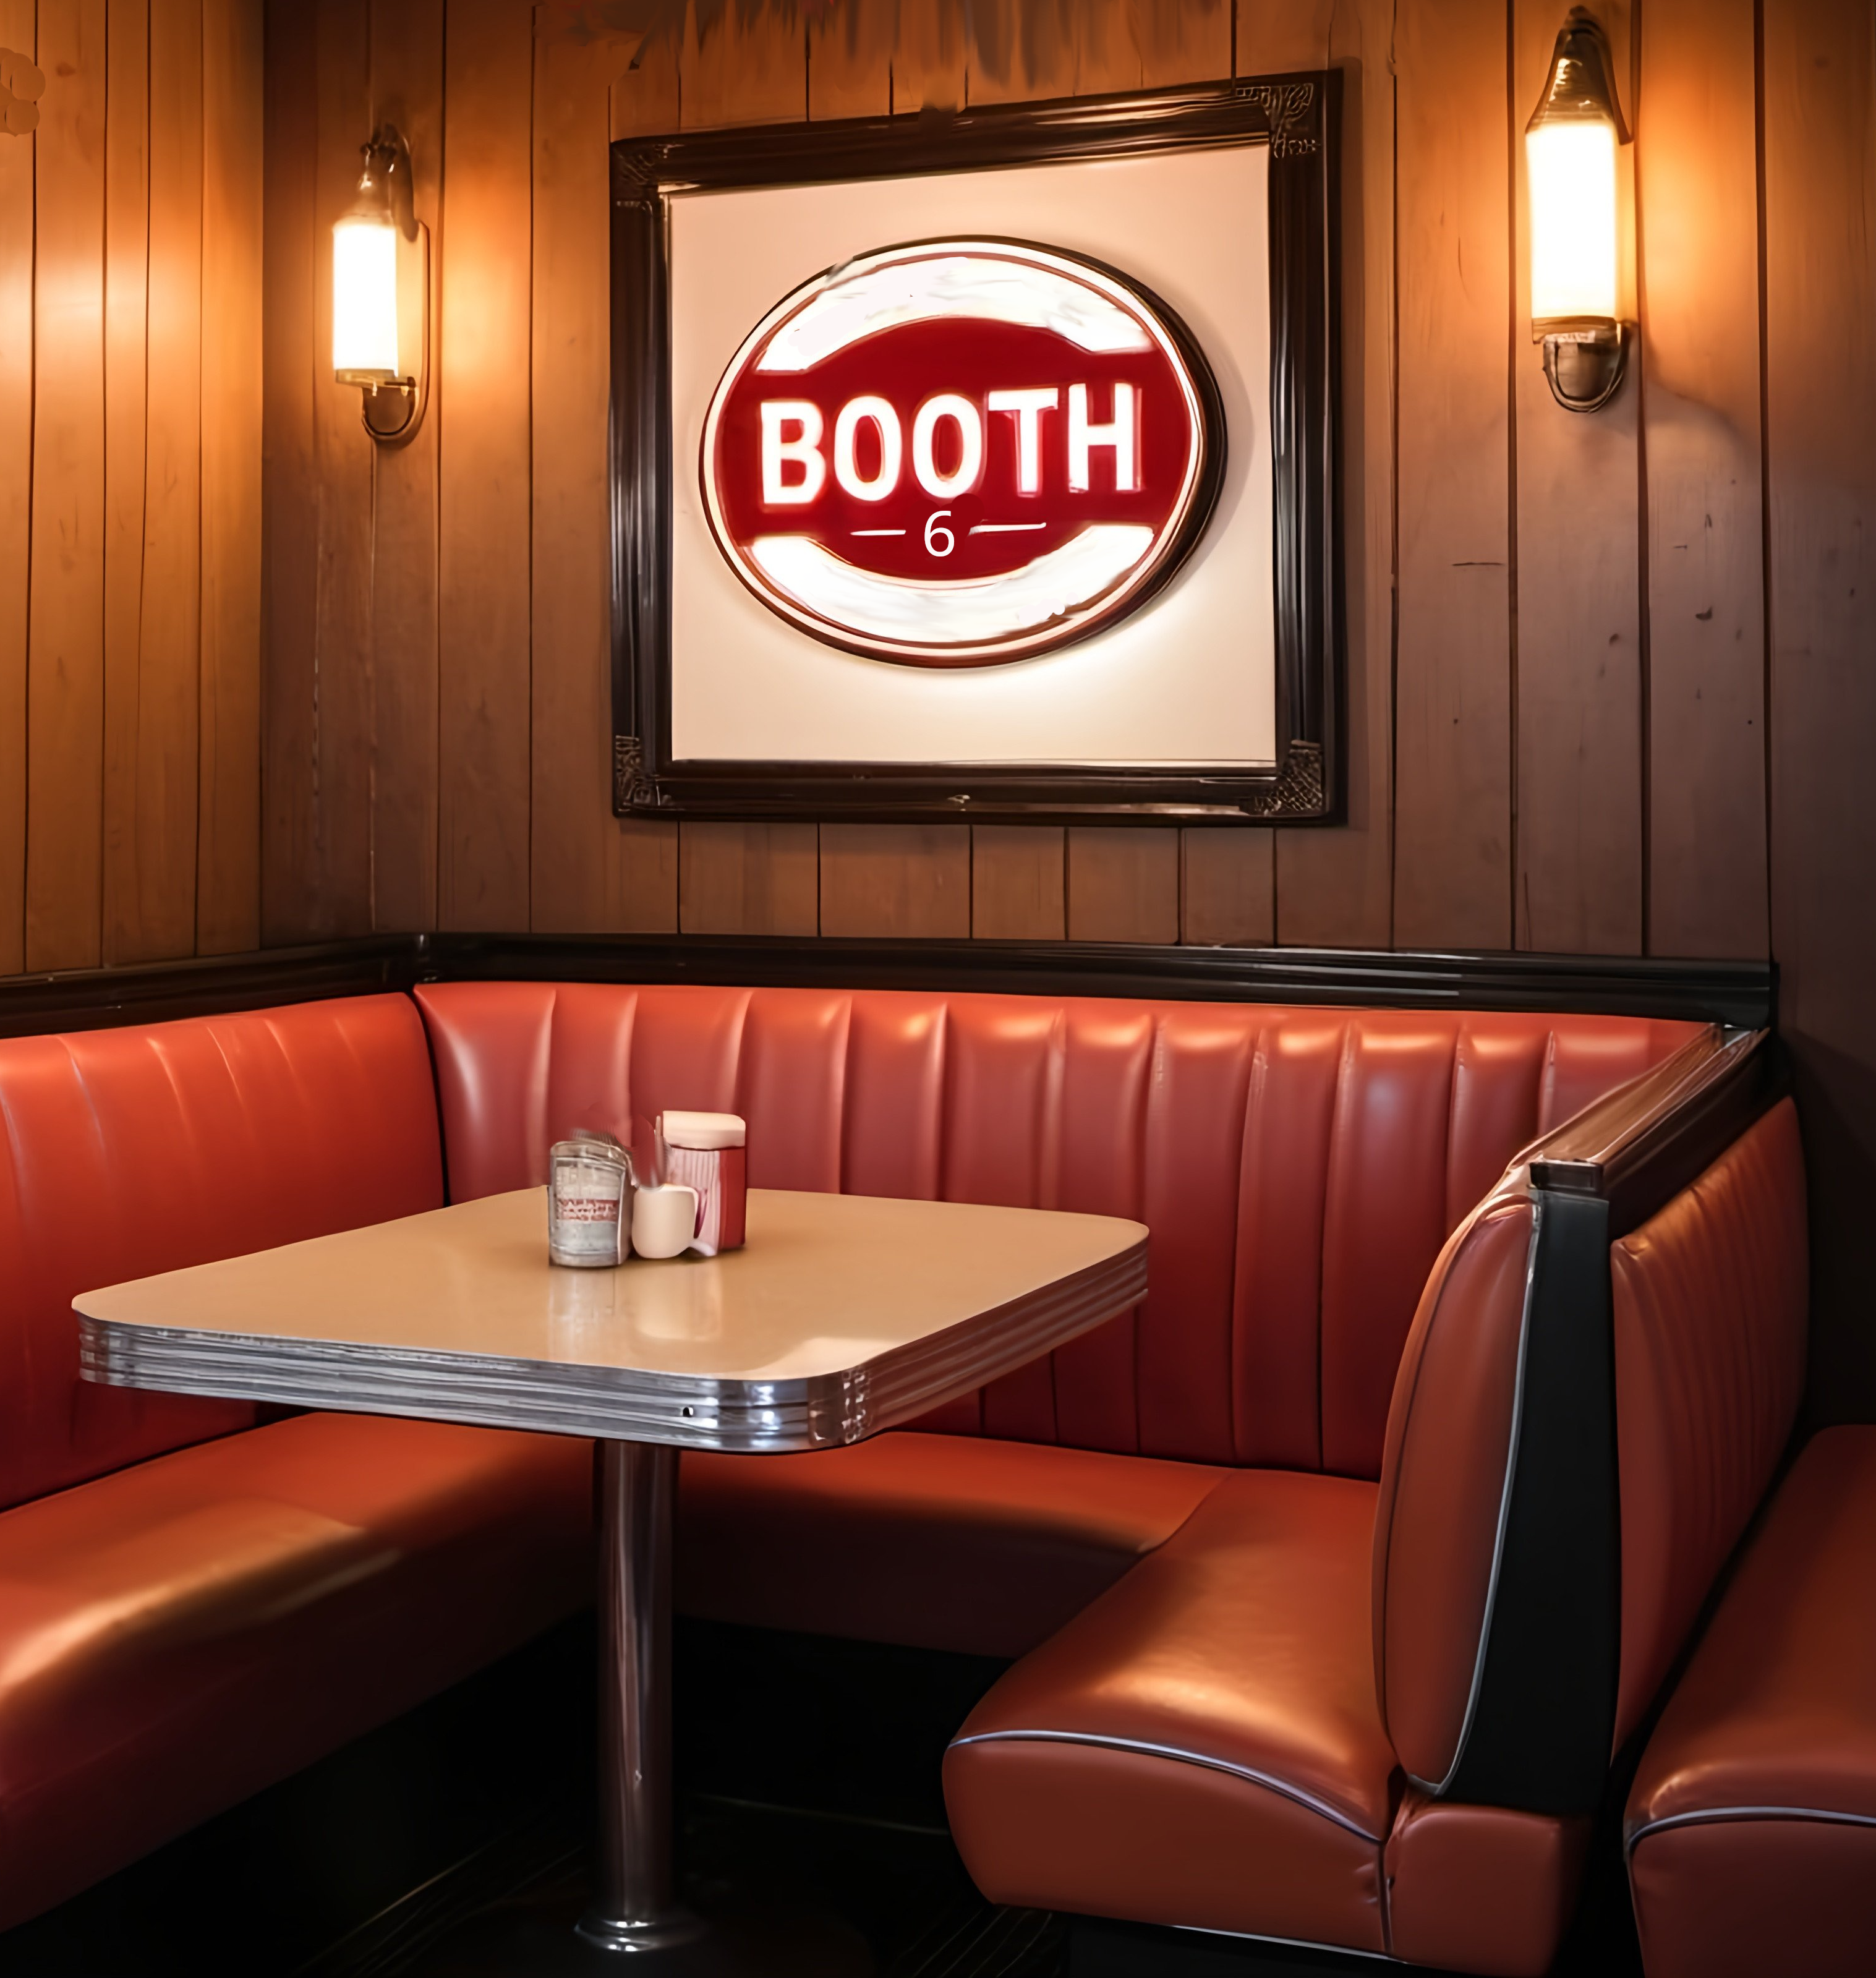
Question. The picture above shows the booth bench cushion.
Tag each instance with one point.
(176, 1636)
(1752, 1824)
(1016, 1540)
(179, 1626)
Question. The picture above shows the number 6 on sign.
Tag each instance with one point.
(933, 532)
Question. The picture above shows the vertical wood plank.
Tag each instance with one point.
(850, 63)
(161, 919)
(344, 764)
(228, 826)
(65, 740)
(126, 295)
(1274, 36)
(1697, 195)
(480, 365)
(1182, 41)
(1107, 53)
(1018, 882)
(1820, 179)
(907, 881)
(290, 707)
(590, 872)
(749, 879)
(748, 65)
(1578, 610)
(19, 32)
(1019, 52)
(1334, 887)
(1124, 884)
(407, 89)
(1452, 662)
(643, 95)
(930, 56)
(1228, 888)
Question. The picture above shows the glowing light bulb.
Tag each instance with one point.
(364, 299)
(1571, 171)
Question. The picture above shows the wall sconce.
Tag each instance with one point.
(380, 293)
(1569, 157)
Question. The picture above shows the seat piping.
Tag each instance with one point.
(1707, 1816)
(1141, 1748)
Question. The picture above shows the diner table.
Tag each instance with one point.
(842, 1315)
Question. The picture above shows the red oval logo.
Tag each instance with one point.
(961, 452)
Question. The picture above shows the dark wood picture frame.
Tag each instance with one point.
(1297, 116)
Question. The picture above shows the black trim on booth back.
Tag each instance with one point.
(1734, 993)
(1537, 1735)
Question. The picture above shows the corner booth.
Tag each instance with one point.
(932, 958)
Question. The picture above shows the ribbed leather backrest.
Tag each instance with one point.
(1298, 1168)
(1711, 1309)
(129, 1152)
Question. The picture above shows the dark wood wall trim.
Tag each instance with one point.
(1739, 993)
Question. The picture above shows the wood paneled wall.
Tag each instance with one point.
(1611, 679)
(130, 480)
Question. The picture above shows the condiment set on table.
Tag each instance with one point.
(600, 1213)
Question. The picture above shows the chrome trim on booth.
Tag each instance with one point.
(1140, 1747)
(1721, 1816)
(742, 1416)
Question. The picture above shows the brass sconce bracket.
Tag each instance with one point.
(1584, 363)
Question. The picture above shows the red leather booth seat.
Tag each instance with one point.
(1299, 1170)
(1263, 1727)
(1752, 1825)
(1241, 1694)
(182, 1624)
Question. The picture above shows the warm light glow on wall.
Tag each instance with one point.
(1572, 170)
(364, 300)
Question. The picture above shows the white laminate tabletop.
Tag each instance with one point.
(843, 1314)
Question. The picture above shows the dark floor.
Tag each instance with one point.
(808, 1787)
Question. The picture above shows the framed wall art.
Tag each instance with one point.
(981, 467)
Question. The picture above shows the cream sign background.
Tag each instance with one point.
(1187, 681)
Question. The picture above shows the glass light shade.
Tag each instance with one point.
(1570, 169)
(364, 298)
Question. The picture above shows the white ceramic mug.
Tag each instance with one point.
(664, 1220)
